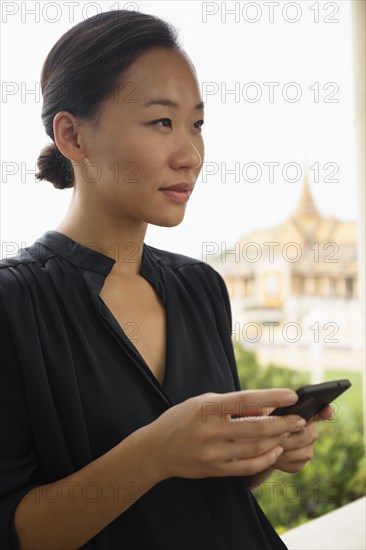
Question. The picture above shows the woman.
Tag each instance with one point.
(118, 379)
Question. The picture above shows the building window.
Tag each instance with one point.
(248, 286)
(332, 287)
(318, 286)
(349, 287)
(298, 284)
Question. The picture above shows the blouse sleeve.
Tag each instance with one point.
(220, 301)
(18, 459)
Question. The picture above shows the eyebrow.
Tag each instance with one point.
(169, 103)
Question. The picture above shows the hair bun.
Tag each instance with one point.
(54, 167)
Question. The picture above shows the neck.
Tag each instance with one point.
(122, 239)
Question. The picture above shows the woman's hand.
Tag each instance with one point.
(299, 446)
(199, 438)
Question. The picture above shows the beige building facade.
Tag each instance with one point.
(294, 291)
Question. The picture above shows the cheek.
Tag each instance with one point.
(139, 170)
(128, 162)
(138, 148)
(149, 162)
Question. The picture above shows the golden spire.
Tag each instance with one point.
(306, 207)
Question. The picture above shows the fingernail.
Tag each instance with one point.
(301, 422)
(290, 398)
(279, 451)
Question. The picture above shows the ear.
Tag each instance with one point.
(67, 136)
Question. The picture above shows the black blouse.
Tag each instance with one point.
(73, 386)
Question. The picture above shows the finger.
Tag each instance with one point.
(326, 413)
(258, 427)
(291, 467)
(250, 466)
(247, 402)
(249, 448)
(299, 455)
(300, 439)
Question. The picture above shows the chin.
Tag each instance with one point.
(167, 221)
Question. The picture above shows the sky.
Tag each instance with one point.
(277, 79)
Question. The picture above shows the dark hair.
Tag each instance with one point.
(84, 67)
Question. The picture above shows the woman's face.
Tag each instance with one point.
(139, 149)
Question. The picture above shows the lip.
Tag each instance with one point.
(180, 187)
(180, 192)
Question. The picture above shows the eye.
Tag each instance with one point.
(200, 122)
(162, 120)
(169, 121)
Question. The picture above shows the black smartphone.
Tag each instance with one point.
(313, 398)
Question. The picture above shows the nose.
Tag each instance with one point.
(187, 153)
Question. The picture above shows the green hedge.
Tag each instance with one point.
(337, 473)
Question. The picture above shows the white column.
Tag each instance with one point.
(358, 31)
